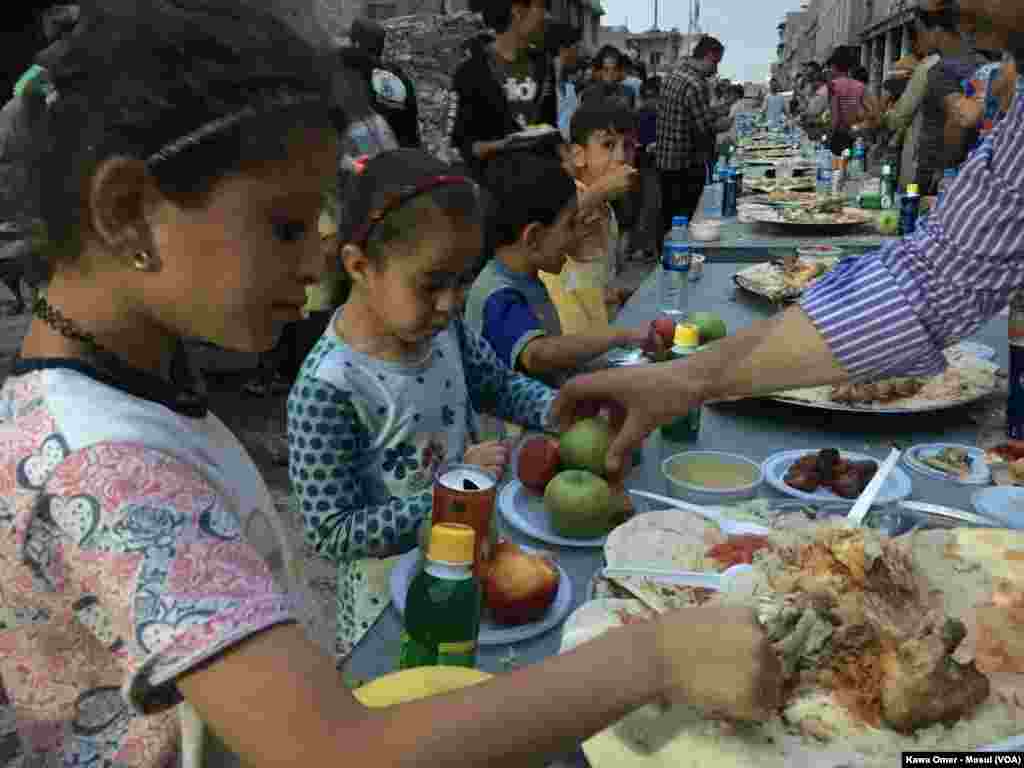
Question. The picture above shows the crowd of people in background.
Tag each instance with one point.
(932, 107)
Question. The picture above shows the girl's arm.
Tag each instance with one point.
(327, 475)
(495, 389)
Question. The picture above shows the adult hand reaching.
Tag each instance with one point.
(784, 352)
(636, 405)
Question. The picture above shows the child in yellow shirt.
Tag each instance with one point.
(582, 292)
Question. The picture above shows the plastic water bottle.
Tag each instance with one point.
(713, 196)
(948, 178)
(674, 274)
(858, 160)
(824, 178)
(888, 188)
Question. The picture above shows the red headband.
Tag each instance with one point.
(403, 195)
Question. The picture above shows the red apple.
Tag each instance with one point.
(666, 328)
(538, 462)
(660, 338)
(519, 586)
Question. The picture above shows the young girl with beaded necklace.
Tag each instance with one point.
(182, 165)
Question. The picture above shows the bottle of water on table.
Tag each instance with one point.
(824, 178)
(674, 272)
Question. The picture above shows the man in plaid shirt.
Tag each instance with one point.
(687, 127)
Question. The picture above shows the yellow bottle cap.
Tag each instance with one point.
(687, 335)
(913, 189)
(452, 543)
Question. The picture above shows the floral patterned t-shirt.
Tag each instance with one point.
(122, 566)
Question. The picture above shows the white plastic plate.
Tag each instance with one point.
(897, 487)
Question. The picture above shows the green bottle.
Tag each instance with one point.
(442, 609)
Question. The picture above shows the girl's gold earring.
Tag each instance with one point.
(144, 261)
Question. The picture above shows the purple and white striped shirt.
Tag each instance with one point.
(893, 311)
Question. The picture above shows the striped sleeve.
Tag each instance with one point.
(892, 312)
(863, 313)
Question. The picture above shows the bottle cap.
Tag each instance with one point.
(687, 335)
(680, 221)
(913, 189)
(452, 543)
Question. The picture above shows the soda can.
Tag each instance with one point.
(466, 494)
(1015, 399)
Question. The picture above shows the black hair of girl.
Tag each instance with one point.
(387, 176)
(197, 90)
(530, 187)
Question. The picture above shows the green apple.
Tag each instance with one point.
(585, 446)
(710, 326)
(889, 223)
(580, 504)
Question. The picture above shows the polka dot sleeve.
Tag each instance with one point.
(328, 446)
(499, 391)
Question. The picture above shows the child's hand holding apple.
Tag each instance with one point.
(492, 455)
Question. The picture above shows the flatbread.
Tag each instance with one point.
(668, 538)
(967, 378)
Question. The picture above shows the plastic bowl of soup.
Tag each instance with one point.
(712, 477)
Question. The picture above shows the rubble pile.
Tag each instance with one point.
(429, 47)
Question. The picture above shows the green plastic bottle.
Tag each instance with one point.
(442, 609)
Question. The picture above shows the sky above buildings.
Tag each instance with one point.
(747, 27)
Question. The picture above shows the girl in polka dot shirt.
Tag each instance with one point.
(391, 391)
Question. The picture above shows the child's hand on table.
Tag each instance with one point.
(492, 456)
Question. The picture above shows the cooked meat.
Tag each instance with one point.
(856, 617)
(877, 392)
(924, 685)
(866, 469)
(848, 485)
(808, 463)
(806, 481)
(827, 460)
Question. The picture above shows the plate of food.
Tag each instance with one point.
(533, 132)
(786, 196)
(1006, 462)
(525, 511)
(783, 280)
(679, 540)
(831, 475)
(866, 677)
(963, 464)
(967, 379)
(546, 598)
(828, 214)
(550, 499)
